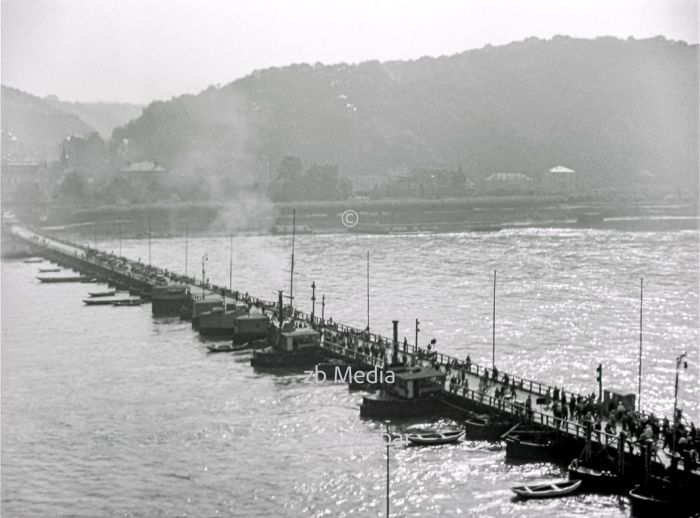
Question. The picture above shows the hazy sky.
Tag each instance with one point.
(140, 50)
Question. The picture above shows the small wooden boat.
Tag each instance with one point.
(102, 293)
(222, 348)
(128, 302)
(73, 278)
(537, 447)
(595, 479)
(33, 260)
(551, 490)
(49, 270)
(647, 503)
(436, 437)
(99, 302)
(485, 428)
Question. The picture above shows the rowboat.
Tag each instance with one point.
(646, 502)
(222, 348)
(551, 490)
(49, 270)
(102, 293)
(33, 260)
(435, 438)
(99, 302)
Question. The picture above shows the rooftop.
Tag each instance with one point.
(561, 169)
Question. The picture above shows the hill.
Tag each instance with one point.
(36, 128)
(617, 111)
(103, 116)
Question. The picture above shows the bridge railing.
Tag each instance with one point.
(519, 409)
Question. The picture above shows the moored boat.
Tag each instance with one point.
(128, 302)
(550, 490)
(647, 503)
(407, 392)
(102, 301)
(167, 300)
(72, 278)
(110, 293)
(33, 260)
(220, 322)
(221, 348)
(536, 447)
(436, 438)
(49, 270)
(292, 345)
(195, 309)
(251, 328)
(414, 393)
(485, 428)
(300, 347)
(593, 479)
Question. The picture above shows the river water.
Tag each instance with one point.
(110, 412)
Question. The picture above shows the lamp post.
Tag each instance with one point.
(205, 257)
(323, 308)
(415, 345)
(676, 420)
(388, 442)
(313, 300)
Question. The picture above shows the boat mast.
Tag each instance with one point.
(641, 306)
(230, 262)
(368, 291)
(149, 241)
(186, 251)
(205, 257)
(493, 342)
(120, 238)
(291, 278)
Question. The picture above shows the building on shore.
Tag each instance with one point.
(558, 180)
(508, 183)
(143, 175)
(429, 183)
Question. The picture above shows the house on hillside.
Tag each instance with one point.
(508, 183)
(148, 178)
(558, 180)
(429, 183)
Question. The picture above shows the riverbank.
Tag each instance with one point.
(376, 216)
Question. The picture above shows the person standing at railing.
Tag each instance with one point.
(528, 407)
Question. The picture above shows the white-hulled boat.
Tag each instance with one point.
(551, 490)
(435, 438)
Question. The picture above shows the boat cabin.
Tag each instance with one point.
(416, 382)
(251, 324)
(298, 339)
(207, 304)
(170, 291)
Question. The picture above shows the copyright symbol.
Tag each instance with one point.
(350, 218)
